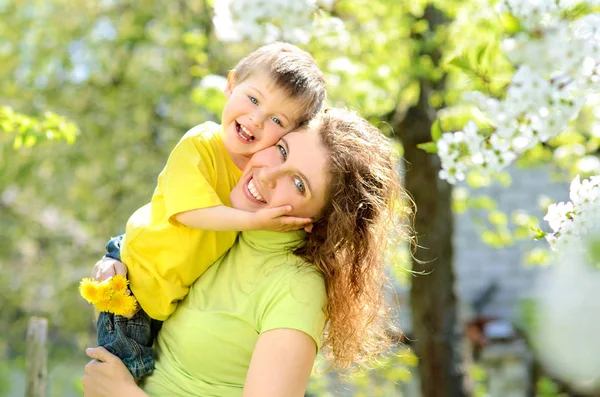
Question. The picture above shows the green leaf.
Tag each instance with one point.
(538, 233)
(18, 142)
(478, 180)
(30, 140)
(504, 178)
(480, 54)
(429, 147)
(436, 130)
(537, 257)
(510, 24)
(482, 202)
(498, 218)
(491, 238)
(461, 62)
(460, 200)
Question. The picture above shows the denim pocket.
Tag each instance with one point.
(136, 327)
(106, 322)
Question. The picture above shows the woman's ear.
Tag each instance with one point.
(230, 84)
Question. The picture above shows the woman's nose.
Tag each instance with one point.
(268, 176)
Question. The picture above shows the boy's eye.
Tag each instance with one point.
(253, 100)
(299, 185)
(282, 151)
(276, 120)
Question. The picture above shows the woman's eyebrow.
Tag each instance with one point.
(304, 178)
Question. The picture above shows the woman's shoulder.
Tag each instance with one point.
(297, 278)
(295, 297)
(293, 267)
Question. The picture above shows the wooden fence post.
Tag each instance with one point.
(37, 334)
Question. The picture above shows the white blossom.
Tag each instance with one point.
(583, 192)
(557, 215)
(552, 48)
(576, 218)
(264, 21)
(531, 13)
(528, 90)
(448, 146)
(486, 104)
(472, 137)
(453, 174)
(331, 31)
(588, 164)
(587, 30)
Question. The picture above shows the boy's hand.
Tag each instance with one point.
(106, 268)
(275, 219)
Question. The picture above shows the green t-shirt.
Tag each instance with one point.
(204, 348)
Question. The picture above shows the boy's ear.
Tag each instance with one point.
(230, 84)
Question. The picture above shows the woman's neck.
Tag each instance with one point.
(265, 240)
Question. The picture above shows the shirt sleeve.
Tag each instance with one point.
(189, 177)
(297, 301)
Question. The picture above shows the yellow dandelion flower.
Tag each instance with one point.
(123, 304)
(102, 306)
(131, 305)
(88, 290)
(104, 291)
(119, 283)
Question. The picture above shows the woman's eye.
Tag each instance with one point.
(276, 120)
(253, 100)
(282, 151)
(299, 185)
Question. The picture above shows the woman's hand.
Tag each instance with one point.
(107, 376)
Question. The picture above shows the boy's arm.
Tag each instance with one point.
(223, 218)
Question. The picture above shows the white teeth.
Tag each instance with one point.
(246, 130)
(253, 191)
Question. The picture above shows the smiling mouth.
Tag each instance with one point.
(243, 132)
(254, 192)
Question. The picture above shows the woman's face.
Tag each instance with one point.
(293, 172)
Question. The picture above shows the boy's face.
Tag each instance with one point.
(257, 114)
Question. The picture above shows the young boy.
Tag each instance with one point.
(188, 224)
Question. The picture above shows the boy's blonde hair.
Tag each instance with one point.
(291, 69)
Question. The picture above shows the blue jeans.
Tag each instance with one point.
(130, 339)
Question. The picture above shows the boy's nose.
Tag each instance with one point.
(257, 118)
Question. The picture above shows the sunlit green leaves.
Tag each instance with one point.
(384, 379)
(429, 147)
(526, 225)
(537, 257)
(510, 24)
(499, 237)
(28, 130)
(211, 98)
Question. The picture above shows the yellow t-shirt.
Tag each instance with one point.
(164, 257)
(204, 348)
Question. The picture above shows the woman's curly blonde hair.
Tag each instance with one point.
(347, 244)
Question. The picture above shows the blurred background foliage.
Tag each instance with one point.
(94, 94)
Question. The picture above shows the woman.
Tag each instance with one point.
(252, 324)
